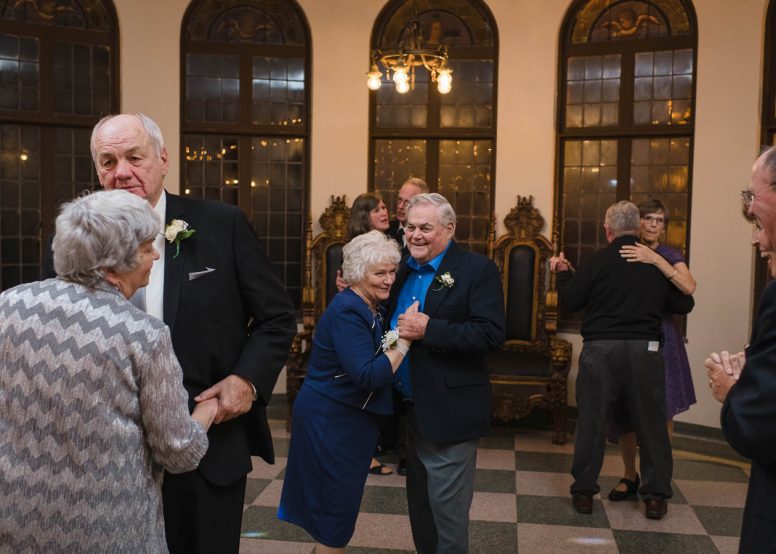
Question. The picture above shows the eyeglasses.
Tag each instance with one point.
(656, 219)
(747, 196)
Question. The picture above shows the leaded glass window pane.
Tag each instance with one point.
(396, 161)
(212, 88)
(19, 73)
(465, 180)
(82, 79)
(211, 170)
(403, 110)
(20, 204)
(663, 87)
(277, 203)
(278, 91)
(470, 102)
(660, 169)
(590, 186)
(593, 91)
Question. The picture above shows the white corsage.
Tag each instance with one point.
(176, 231)
(445, 281)
(390, 340)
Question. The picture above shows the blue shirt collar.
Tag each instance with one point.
(434, 263)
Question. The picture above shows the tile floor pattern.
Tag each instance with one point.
(522, 504)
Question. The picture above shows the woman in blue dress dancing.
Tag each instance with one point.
(348, 384)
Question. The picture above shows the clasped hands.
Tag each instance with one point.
(560, 263)
(412, 323)
(234, 395)
(724, 369)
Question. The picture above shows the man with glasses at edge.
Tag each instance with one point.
(746, 382)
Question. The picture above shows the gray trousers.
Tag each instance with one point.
(626, 370)
(440, 488)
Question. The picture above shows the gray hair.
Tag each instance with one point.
(622, 218)
(418, 182)
(445, 212)
(366, 252)
(768, 163)
(99, 231)
(149, 125)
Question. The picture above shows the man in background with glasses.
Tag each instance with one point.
(746, 383)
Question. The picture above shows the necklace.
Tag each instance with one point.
(372, 308)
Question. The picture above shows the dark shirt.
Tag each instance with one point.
(622, 300)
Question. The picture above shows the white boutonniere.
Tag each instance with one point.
(176, 231)
(390, 340)
(445, 281)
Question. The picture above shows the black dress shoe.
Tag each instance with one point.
(402, 468)
(655, 508)
(583, 503)
(632, 487)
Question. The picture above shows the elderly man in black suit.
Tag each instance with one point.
(749, 394)
(231, 323)
(444, 380)
(621, 359)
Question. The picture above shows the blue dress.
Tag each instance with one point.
(335, 423)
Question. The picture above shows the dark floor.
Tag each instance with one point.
(521, 502)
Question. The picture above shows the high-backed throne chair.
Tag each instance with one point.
(323, 257)
(531, 369)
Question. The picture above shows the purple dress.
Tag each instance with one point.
(680, 392)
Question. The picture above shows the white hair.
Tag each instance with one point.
(152, 130)
(366, 252)
(445, 212)
(99, 231)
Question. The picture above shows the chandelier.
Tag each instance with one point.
(400, 64)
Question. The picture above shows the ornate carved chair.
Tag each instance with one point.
(323, 257)
(531, 369)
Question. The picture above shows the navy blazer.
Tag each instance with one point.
(347, 363)
(749, 423)
(237, 319)
(448, 368)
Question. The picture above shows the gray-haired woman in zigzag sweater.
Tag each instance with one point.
(92, 405)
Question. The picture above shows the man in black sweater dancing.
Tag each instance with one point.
(621, 359)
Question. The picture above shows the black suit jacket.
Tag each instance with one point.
(393, 232)
(448, 368)
(749, 423)
(237, 319)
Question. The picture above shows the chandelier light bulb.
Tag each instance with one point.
(374, 78)
(373, 81)
(444, 81)
(400, 75)
(402, 87)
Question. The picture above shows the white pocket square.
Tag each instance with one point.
(198, 274)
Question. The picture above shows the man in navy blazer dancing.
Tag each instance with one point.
(444, 381)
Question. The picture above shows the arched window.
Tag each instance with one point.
(58, 76)
(625, 115)
(245, 117)
(447, 139)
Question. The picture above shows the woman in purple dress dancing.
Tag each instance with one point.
(680, 393)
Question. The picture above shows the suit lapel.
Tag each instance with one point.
(438, 292)
(173, 267)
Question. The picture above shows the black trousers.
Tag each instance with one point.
(630, 371)
(202, 518)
